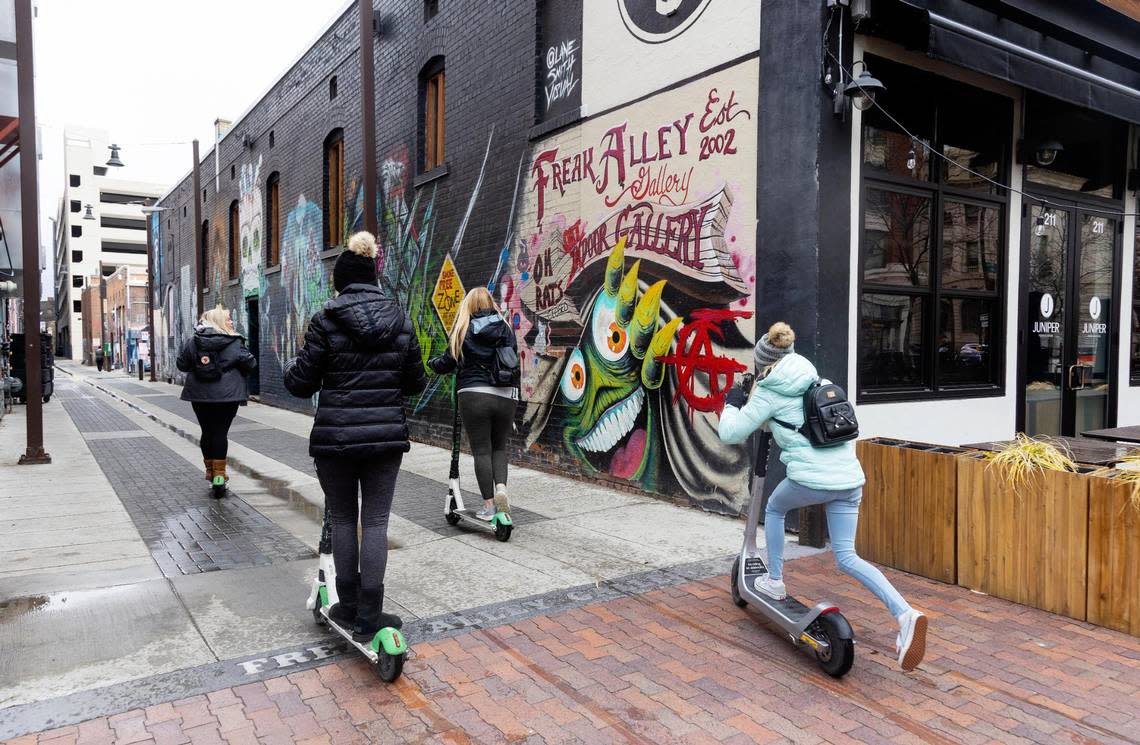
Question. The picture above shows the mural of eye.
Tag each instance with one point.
(610, 337)
(574, 378)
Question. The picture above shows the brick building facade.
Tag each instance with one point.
(646, 186)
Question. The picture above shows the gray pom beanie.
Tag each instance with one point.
(774, 345)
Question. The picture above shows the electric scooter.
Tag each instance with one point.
(821, 627)
(387, 650)
(454, 511)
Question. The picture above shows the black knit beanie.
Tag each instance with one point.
(353, 269)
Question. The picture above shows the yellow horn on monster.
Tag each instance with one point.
(627, 294)
(644, 321)
(614, 266)
(652, 368)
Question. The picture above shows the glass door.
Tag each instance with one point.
(1068, 353)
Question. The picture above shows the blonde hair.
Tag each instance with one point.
(219, 320)
(363, 244)
(475, 301)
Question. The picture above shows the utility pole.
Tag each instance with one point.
(368, 112)
(30, 217)
(200, 267)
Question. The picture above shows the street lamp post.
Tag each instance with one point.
(30, 215)
(196, 179)
(368, 113)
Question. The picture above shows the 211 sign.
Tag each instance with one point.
(448, 293)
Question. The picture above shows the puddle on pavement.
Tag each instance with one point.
(36, 608)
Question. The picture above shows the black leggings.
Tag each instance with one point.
(374, 481)
(487, 419)
(215, 420)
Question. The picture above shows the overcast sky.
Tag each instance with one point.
(156, 71)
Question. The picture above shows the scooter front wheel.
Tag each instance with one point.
(839, 656)
(734, 585)
(503, 532)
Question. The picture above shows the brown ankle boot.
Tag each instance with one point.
(220, 468)
(209, 469)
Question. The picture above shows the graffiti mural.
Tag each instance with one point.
(304, 286)
(250, 222)
(631, 283)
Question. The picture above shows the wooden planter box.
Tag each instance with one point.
(1113, 555)
(1030, 547)
(908, 519)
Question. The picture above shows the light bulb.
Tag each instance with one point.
(911, 160)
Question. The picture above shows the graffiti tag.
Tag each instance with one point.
(560, 78)
(695, 356)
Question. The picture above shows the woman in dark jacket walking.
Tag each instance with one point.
(217, 365)
(486, 407)
(362, 355)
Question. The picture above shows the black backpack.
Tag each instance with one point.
(207, 366)
(829, 418)
(505, 368)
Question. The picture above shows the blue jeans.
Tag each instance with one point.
(842, 519)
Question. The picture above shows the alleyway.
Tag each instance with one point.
(134, 609)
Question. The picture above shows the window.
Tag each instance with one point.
(234, 241)
(123, 247)
(126, 223)
(76, 231)
(203, 196)
(933, 240)
(271, 140)
(433, 115)
(115, 197)
(99, 170)
(76, 205)
(77, 282)
(76, 306)
(76, 257)
(332, 87)
(184, 210)
(1134, 369)
(273, 219)
(431, 9)
(334, 188)
(233, 171)
(73, 179)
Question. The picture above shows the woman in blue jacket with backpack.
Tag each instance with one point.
(830, 476)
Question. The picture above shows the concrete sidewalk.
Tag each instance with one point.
(173, 593)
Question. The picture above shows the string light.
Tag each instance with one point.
(911, 161)
(1039, 230)
(928, 149)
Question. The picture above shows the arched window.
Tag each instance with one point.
(273, 219)
(432, 111)
(235, 241)
(334, 188)
(332, 87)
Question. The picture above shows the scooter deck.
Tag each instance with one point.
(364, 649)
(469, 516)
(789, 607)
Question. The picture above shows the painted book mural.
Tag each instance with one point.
(631, 287)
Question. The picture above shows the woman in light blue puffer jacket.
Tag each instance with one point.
(829, 476)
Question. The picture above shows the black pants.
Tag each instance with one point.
(99, 363)
(215, 421)
(487, 419)
(374, 481)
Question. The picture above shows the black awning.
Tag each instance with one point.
(1011, 43)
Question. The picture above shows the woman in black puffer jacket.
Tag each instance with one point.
(218, 366)
(362, 355)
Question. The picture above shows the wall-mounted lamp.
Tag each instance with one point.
(88, 214)
(1043, 153)
(863, 89)
(114, 160)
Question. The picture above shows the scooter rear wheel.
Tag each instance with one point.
(389, 666)
(503, 532)
(734, 585)
(840, 655)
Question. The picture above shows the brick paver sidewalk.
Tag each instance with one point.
(685, 665)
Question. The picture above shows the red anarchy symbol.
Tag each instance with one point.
(694, 354)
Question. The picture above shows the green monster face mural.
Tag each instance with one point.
(607, 385)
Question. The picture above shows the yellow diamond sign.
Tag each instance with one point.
(448, 293)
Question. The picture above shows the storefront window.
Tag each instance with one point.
(933, 239)
(1134, 368)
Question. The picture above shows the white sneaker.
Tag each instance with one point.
(773, 588)
(911, 641)
(501, 504)
(485, 514)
